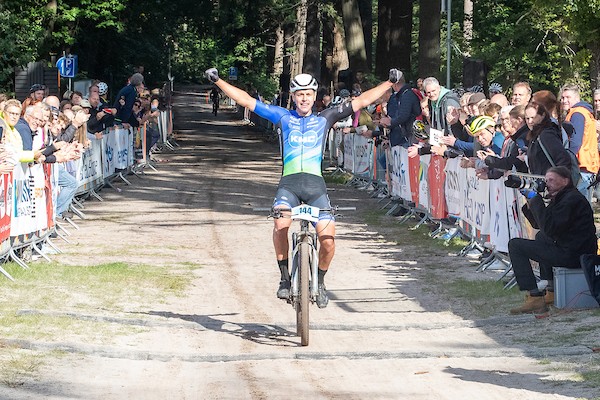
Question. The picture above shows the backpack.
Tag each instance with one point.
(590, 264)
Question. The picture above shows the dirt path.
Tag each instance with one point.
(385, 334)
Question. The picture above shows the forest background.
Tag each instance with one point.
(544, 43)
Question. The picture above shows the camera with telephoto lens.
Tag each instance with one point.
(536, 183)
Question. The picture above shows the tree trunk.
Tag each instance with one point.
(394, 38)
(468, 27)
(300, 39)
(312, 54)
(365, 8)
(594, 48)
(354, 37)
(52, 13)
(278, 52)
(340, 54)
(429, 38)
(327, 73)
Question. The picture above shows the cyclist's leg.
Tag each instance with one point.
(283, 199)
(325, 227)
(326, 232)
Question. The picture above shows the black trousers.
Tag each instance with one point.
(545, 252)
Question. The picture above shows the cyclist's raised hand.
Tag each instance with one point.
(212, 74)
(395, 75)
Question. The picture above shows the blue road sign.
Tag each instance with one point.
(233, 73)
(67, 66)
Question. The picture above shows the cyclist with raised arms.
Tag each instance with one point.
(302, 142)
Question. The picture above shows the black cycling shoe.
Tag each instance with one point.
(322, 298)
(284, 289)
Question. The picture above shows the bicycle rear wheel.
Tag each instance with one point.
(303, 300)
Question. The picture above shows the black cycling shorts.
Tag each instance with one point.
(303, 188)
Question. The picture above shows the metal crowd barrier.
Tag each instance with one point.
(28, 194)
(438, 191)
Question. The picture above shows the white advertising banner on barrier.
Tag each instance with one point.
(515, 230)
(452, 187)
(475, 201)
(394, 170)
(338, 142)
(405, 189)
(499, 233)
(363, 151)
(116, 149)
(349, 152)
(29, 200)
(423, 186)
(89, 166)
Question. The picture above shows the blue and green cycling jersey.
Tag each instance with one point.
(302, 139)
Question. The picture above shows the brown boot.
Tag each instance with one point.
(533, 304)
(549, 297)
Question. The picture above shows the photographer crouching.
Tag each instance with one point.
(565, 221)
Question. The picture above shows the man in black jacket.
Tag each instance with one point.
(403, 108)
(567, 231)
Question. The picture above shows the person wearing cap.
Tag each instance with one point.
(474, 102)
(36, 95)
(103, 91)
(344, 94)
(482, 128)
(303, 137)
(403, 108)
(126, 97)
(495, 88)
(85, 105)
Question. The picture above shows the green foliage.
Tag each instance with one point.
(537, 41)
(545, 43)
(20, 32)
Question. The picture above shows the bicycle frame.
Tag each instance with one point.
(311, 238)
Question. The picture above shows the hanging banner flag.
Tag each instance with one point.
(499, 232)
(455, 175)
(436, 177)
(423, 184)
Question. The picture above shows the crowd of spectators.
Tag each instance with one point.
(502, 135)
(46, 129)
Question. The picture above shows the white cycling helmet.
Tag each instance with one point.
(495, 87)
(303, 82)
(102, 88)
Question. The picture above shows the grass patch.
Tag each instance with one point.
(339, 179)
(98, 289)
(484, 297)
(18, 367)
(591, 375)
(52, 290)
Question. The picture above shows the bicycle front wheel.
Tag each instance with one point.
(303, 300)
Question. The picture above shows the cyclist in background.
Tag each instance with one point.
(302, 141)
(215, 96)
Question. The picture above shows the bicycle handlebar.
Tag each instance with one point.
(333, 208)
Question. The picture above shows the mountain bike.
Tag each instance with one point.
(215, 107)
(305, 262)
